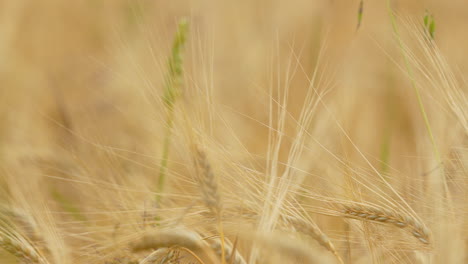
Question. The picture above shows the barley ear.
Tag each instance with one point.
(386, 216)
(20, 248)
(210, 191)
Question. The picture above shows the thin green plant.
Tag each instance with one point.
(422, 109)
(173, 82)
(360, 12)
(429, 24)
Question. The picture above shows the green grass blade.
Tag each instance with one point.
(360, 12)
(172, 91)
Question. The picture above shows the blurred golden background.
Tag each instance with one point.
(91, 59)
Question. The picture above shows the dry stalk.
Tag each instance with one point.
(17, 219)
(229, 252)
(20, 249)
(162, 256)
(286, 246)
(314, 231)
(14, 242)
(167, 239)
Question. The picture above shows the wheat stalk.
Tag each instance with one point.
(168, 238)
(285, 246)
(382, 215)
(314, 231)
(20, 249)
(172, 91)
(229, 252)
(162, 256)
(210, 192)
(14, 242)
(208, 183)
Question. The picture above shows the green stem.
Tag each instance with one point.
(437, 155)
(413, 84)
(172, 85)
(165, 153)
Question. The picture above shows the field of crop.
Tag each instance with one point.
(233, 132)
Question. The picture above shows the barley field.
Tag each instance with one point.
(233, 132)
